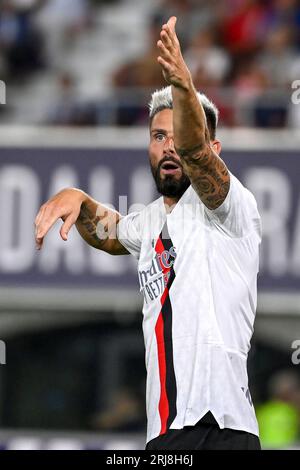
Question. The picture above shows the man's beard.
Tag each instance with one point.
(170, 186)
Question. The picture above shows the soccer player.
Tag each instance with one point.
(197, 249)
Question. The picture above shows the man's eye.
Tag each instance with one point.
(160, 137)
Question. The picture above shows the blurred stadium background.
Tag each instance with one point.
(78, 76)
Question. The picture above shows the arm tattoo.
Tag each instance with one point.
(92, 225)
(208, 174)
(189, 153)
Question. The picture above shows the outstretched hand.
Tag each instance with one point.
(174, 68)
(66, 206)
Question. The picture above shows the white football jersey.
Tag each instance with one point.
(197, 270)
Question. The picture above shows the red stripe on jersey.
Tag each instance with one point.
(159, 332)
(163, 401)
(164, 296)
(159, 248)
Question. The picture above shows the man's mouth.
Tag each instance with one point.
(170, 168)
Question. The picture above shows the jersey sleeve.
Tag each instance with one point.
(129, 233)
(238, 215)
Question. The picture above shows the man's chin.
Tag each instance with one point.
(172, 187)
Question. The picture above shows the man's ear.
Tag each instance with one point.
(216, 145)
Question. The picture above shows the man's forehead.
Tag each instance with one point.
(163, 120)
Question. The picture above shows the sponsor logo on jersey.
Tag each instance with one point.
(154, 280)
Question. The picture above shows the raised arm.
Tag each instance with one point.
(95, 222)
(208, 174)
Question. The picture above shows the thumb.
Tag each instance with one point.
(66, 227)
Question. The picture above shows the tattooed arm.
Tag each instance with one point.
(95, 222)
(207, 172)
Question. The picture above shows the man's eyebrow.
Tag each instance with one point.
(163, 131)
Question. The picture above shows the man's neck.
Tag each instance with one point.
(169, 203)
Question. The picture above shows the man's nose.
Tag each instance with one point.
(169, 146)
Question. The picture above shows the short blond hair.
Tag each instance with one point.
(162, 99)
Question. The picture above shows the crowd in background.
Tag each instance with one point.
(25, 33)
(241, 51)
(245, 54)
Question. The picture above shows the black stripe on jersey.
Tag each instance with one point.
(167, 314)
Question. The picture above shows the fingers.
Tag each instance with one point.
(39, 216)
(166, 39)
(64, 231)
(38, 239)
(168, 46)
(169, 30)
(45, 219)
(172, 23)
(168, 43)
(165, 65)
(165, 53)
(42, 230)
(174, 68)
(39, 243)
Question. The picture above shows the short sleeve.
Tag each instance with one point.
(238, 215)
(129, 233)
